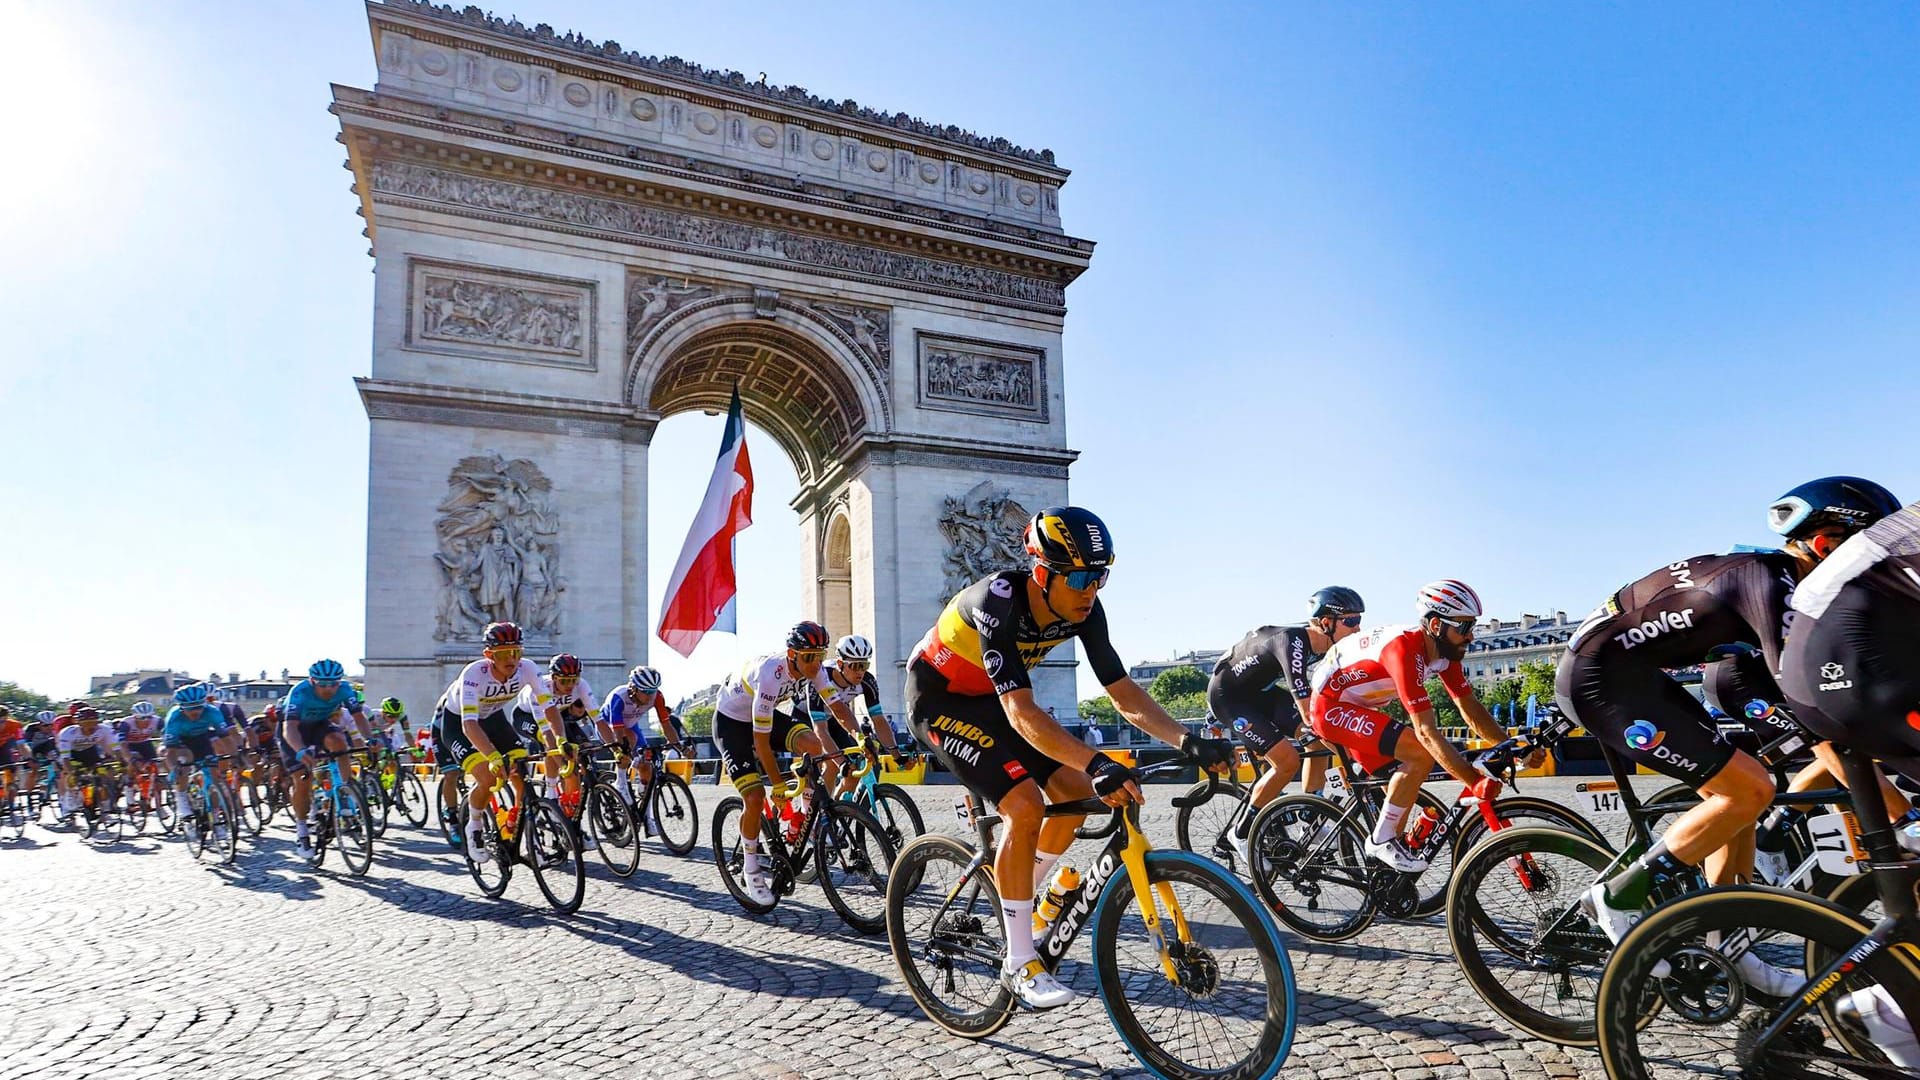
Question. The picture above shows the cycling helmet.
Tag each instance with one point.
(1069, 538)
(272, 711)
(1335, 600)
(564, 666)
(1449, 599)
(213, 693)
(45, 716)
(501, 633)
(327, 671)
(393, 706)
(142, 708)
(854, 647)
(1847, 501)
(644, 680)
(807, 635)
(89, 713)
(187, 697)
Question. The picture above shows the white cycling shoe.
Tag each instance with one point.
(1873, 1009)
(1772, 867)
(758, 888)
(1394, 854)
(1242, 851)
(1613, 921)
(1036, 987)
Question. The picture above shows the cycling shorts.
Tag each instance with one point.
(1852, 673)
(142, 750)
(736, 746)
(85, 756)
(1640, 713)
(314, 734)
(461, 753)
(1367, 735)
(1260, 722)
(971, 735)
(196, 746)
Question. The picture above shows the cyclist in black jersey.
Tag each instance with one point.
(970, 698)
(1256, 685)
(1613, 681)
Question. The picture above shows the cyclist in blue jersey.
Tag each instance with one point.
(623, 725)
(308, 721)
(194, 728)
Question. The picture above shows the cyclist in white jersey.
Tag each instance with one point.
(474, 723)
(744, 726)
(573, 700)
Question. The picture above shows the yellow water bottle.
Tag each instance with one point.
(1065, 880)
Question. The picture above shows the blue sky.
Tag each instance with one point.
(1536, 296)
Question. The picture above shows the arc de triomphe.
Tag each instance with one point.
(572, 241)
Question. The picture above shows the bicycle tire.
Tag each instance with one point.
(897, 813)
(854, 857)
(676, 817)
(1518, 811)
(1859, 896)
(615, 831)
(1202, 823)
(934, 945)
(196, 826)
(491, 866)
(410, 797)
(321, 826)
(729, 856)
(378, 800)
(1563, 865)
(1244, 940)
(1624, 1015)
(354, 829)
(1293, 828)
(551, 847)
(223, 825)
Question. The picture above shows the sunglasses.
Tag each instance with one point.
(855, 665)
(1082, 580)
(503, 650)
(1464, 626)
(808, 656)
(325, 683)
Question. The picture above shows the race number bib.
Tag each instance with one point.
(1836, 841)
(1602, 796)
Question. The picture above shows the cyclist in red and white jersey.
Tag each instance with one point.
(1364, 672)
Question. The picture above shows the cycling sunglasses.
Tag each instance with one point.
(808, 656)
(1082, 580)
(323, 683)
(1463, 626)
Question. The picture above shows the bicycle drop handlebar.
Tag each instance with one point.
(1099, 806)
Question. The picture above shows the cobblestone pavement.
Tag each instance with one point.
(132, 961)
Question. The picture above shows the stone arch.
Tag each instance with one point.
(835, 575)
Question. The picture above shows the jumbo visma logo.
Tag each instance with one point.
(1642, 735)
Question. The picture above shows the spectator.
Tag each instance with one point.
(1094, 737)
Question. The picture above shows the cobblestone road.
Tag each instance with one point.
(131, 961)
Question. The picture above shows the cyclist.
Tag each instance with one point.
(86, 743)
(195, 728)
(141, 729)
(1613, 682)
(745, 729)
(13, 749)
(970, 698)
(623, 721)
(573, 700)
(393, 717)
(851, 671)
(309, 720)
(474, 720)
(1365, 671)
(39, 736)
(1852, 672)
(1255, 687)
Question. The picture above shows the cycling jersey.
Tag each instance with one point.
(1254, 686)
(74, 740)
(143, 729)
(180, 727)
(1374, 666)
(305, 705)
(762, 684)
(1884, 557)
(988, 625)
(11, 730)
(476, 693)
(580, 697)
(618, 711)
(867, 687)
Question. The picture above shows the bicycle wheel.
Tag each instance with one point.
(354, 827)
(492, 864)
(321, 826)
(13, 815)
(1516, 810)
(166, 809)
(378, 801)
(854, 856)
(1309, 867)
(1515, 925)
(549, 845)
(673, 815)
(898, 815)
(410, 798)
(1858, 896)
(196, 827)
(616, 834)
(945, 931)
(223, 825)
(1205, 828)
(1710, 1018)
(1233, 1010)
(730, 856)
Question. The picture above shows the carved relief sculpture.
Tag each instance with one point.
(497, 553)
(651, 298)
(986, 533)
(967, 375)
(476, 311)
(870, 329)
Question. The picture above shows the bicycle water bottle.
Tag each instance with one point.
(790, 819)
(1907, 830)
(1423, 827)
(1065, 880)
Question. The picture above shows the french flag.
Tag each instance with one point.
(701, 593)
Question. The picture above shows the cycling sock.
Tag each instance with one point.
(1628, 889)
(1018, 915)
(750, 864)
(1042, 866)
(1388, 827)
(180, 800)
(300, 829)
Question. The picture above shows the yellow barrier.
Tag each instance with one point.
(914, 774)
(681, 768)
(1124, 757)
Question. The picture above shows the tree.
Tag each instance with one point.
(1177, 682)
(698, 721)
(1099, 710)
(1186, 706)
(22, 700)
(1445, 714)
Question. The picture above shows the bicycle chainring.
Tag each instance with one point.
(1703, 988)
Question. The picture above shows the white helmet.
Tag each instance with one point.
(854, 647)
(644, 680)
(143, 708)
(1448, 598)
(213, 693)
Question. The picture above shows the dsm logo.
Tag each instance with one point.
(1642, 735)
(1240, 724)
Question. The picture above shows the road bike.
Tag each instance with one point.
(1193, 972)
(211, 826)
(393, 786)
(890, 805)
(100, 813)
(597, 809)
(850, 848)
(536, 835)
(340, 815)
(664, 804)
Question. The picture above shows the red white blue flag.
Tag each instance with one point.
(700, 596)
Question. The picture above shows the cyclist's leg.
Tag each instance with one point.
(741, 765)
(1376, 740)
(1266, 728)
(299, 788)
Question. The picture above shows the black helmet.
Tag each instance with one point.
(1069, 538)
(807, 635)
(501, 633)
(565, 665)
(1847, 501)
(1335, 600)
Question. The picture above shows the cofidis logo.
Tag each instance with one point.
(1642, 735)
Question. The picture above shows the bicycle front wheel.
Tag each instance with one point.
(354, 827)
(410, 797)
(615, 832)
(854, 856)
(1701, 957)
(944, 927)
(1310, 867)
(1206, 827)
(1516, 810)
(730, 853)
(490, 863)
(673, 814)
(548, 843)
(1232, 1011)
(897, 814)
